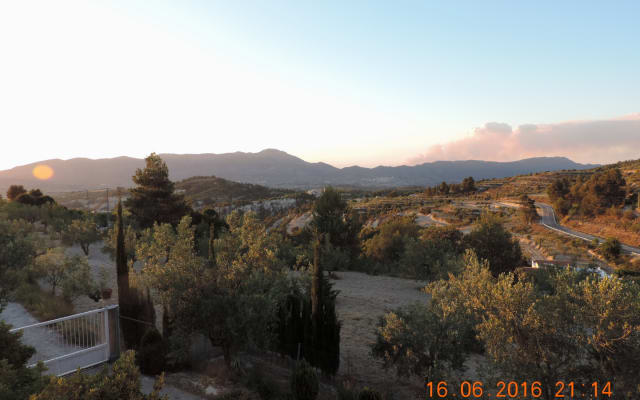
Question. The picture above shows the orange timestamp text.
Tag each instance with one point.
(517, 390)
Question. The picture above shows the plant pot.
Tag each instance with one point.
(106, 293)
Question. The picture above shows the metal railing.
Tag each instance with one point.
(66, 344)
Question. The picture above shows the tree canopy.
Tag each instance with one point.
(153, 199)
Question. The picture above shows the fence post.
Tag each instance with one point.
(107, 351)
(114, 333)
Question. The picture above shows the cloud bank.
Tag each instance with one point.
(602, 141)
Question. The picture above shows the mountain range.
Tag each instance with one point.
(273, 168)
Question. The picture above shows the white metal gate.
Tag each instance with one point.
(77, 341)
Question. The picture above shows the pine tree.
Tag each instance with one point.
(153, 199)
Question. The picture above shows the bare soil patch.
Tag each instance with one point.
(362, 300)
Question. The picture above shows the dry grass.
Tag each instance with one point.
(362, 300)
(42, 304)
(626, 231)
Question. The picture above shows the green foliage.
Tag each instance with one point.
(332, 218)
(388, 244)
(151, 356)
(135, 303)
(492, 242)
(420, 340)
(556, 323)
(328, 214)
(435, 254)
(17, 382)
(122, 382)
(15, 191)
(153, 199)
(17, 251)
(83, 232)
(604, 189)
(40, 303)
(70, 272)
(211, 189)
(304, 382)
(467, 186)
(610, 249)
(34, 198)
(527, 211)
(235, 303)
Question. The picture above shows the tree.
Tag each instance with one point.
(122, 382)
(528, 212)
(328, 215)
(610, 249)
(153, 199)
(17, 382)
(468, 185)
(81, 231)
(34, 198)
(388, 244)
(136, 306)
(492, 242)
(15, 191)
(71, 272)
(17, 251)
(444, 188)
(234, 304)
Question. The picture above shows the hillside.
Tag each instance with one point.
(272, 168)
(214, 189)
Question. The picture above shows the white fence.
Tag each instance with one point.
(77, 341)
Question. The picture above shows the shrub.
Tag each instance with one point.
(610, 249)
(266, 387)
(369, 394)
(304, 382)
(151, 356)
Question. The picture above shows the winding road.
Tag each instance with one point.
(548, 220)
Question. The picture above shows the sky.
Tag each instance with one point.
(344, 82)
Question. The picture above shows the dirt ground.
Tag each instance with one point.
(362, 300)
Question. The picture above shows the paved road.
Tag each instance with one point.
(548, 220)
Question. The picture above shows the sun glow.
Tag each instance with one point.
(43, 172)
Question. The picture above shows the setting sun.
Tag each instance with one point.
(43, 172)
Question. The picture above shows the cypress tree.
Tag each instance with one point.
(121, 255)
(212, 237)
(136, 307)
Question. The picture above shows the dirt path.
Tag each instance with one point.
(362, 300)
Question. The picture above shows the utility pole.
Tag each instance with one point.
(107, 200)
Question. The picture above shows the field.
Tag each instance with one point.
(362, 300)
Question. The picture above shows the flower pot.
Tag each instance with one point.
(106, 293)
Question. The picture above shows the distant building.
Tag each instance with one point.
(541, 263)
(315, 192)
(549, 263)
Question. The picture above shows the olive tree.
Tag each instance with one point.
(83, 232)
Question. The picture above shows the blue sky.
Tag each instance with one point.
(356, 82)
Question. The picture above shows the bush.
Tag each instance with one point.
(151, 356)
(266, 387)
(304, 382)
(610, 249)
(369, 394)
(122, 382)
